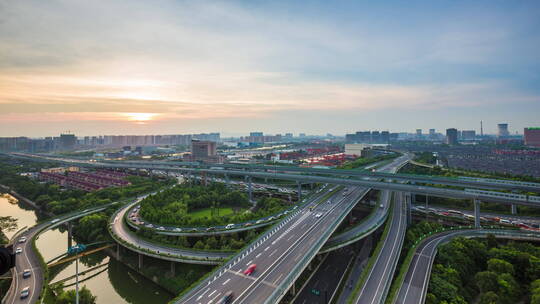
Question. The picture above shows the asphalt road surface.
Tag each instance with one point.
(121, 230)
(380, 276)
(416, 282)
(27, 259)
(276, 255)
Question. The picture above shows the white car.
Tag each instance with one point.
(25, 292)
(229, 226)
(55, 221)
(178, 229)
(22, 240)
(18, 250)
(318, 215)
(161, 228)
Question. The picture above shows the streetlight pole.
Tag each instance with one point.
(76, 250)
(77, 281)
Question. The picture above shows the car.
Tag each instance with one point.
(227, 298)
(22, 240)
(247, 224)
(149, 226)
(18, 250)
(210, 229)
(55, 221)
(177, 229)
(229, 226)
(25, 292)
(318, 215)
(503, 221)
(259, 221)
(381, 205)
(250, 269)
(26, 273)
(161, 228)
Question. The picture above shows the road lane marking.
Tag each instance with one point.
(202, 294)
(249, 263)
(275, 282)
(258, 255)
(266, 248)
(213, 292)
(272, 252)
(227, 281)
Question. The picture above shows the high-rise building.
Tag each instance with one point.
(468, 134)
(418, 133)
(503, 130)
(451, 136)
(203, 149)
(256, 134)
(67, 141)
(532, 136)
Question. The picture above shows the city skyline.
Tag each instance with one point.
(316, 68)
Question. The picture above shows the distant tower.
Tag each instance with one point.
(503, 130)
(481, 129)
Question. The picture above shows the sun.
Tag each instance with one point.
(140, 117)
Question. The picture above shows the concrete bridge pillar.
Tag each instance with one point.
(427, 202)
(299, 184)
(250, 188)
(476, 213)
(293, 290)
(140, 261)
(514, 209)
(227, 180)
(70, 234)
(408, 208)
(173, 270)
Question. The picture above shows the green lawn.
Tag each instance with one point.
(201, 213)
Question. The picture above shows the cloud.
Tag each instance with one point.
(71, 60)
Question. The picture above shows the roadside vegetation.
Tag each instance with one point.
(485, 271)
(222, 242)
(196, 205)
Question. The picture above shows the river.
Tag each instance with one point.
(113, 282)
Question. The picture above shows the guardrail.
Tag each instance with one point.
(528, 198)
(234, 259)
(195, 231)
(292, 275)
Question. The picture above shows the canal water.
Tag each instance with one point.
(111, 281)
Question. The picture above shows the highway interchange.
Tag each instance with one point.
(304, 231)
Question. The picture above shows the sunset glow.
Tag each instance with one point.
(140, 117)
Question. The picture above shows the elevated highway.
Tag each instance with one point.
(30, 258)
(415, 285)
(464, 182)
(472, 194)
(280, 255)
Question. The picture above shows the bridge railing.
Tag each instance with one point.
(530, 198)
(303, 263)
(233, 260)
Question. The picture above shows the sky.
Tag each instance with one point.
(177, 67)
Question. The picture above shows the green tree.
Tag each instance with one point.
(92, 228)
(489, 298)
(68, 297)
(8, 223)
(509, 289)
(500, 266)
(486, 281)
